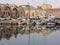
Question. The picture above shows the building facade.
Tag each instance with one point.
(53, 12)
(0, 11)
(27, 11)
(13, 11)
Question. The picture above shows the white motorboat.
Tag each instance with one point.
(50, 24)
(2, 18)
(21, 23)
(38, 23)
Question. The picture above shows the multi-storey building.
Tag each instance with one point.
(27, 11)
(53, 12)
(13, 11)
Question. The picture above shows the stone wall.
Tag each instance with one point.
(17, 11)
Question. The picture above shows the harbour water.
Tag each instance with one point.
(28, 35)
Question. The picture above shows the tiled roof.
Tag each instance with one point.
(54, 9)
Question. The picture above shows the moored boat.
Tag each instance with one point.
(38, 23)
(50, 24)
(21, 23)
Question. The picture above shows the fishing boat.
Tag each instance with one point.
(1, 27)
(39, 23)
(33, 23)
(50, 24)
(57, 20)
(21, 23)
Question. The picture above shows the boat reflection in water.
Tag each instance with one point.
(28, 35)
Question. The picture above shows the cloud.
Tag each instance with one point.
(54, 3)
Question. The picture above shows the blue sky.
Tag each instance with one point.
(54, 3)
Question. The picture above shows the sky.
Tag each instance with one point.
(54, 3)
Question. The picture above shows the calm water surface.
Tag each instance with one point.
(28, 35)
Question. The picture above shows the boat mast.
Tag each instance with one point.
(43, 11)
(28, 9)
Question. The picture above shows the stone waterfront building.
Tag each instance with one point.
(5, 10)
(27, 11)
(13, 11)
(47, 10)
(43, 9)
(53, 12)
(0, 11)
(8, 10)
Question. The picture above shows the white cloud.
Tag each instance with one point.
(54, 3)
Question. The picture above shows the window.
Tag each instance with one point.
(21, 13)
(27, 14)
(4, 13)
(0, 8)
(33, 14)
(8, 13)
